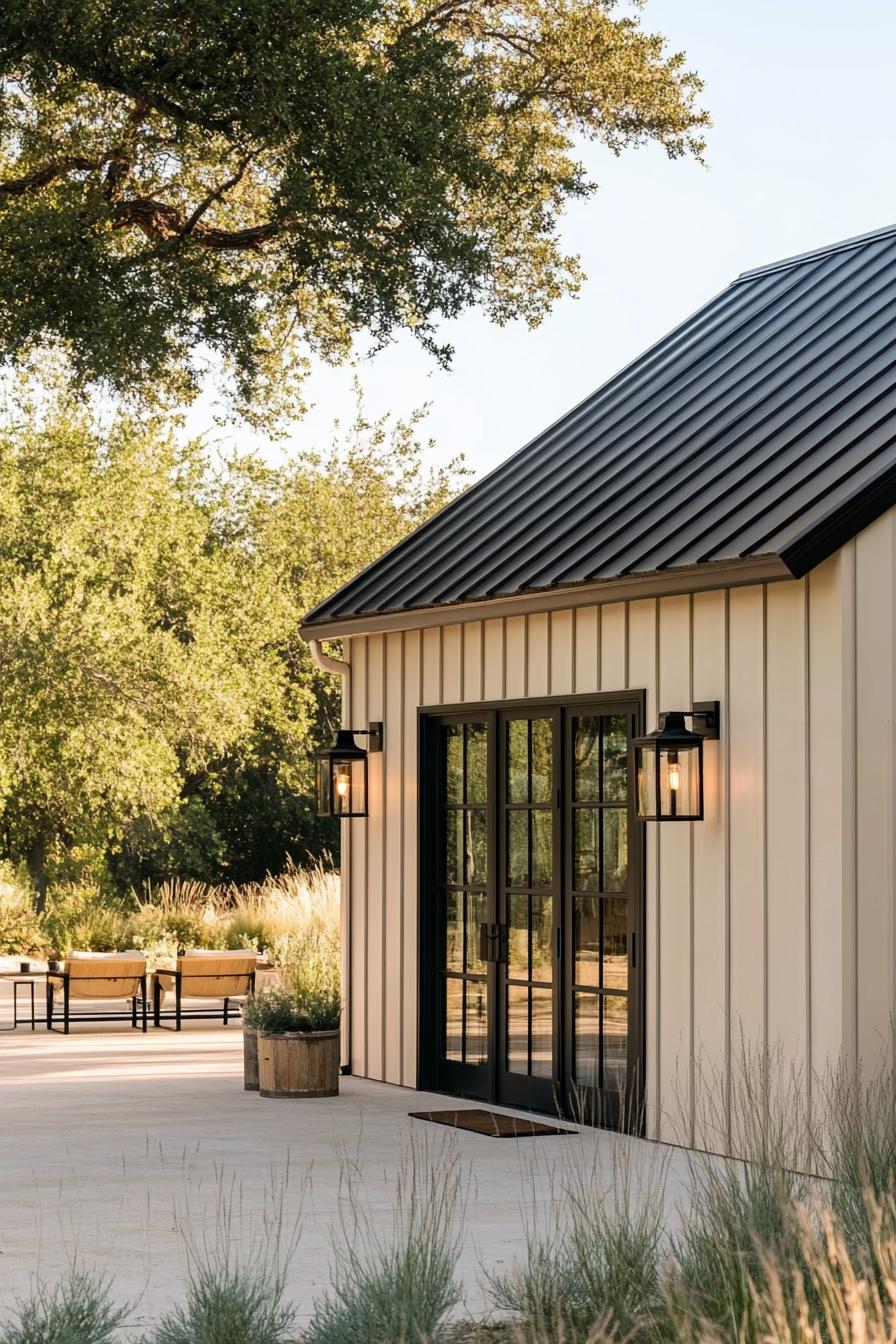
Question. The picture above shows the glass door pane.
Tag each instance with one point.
(527, 902)
(602, 903)
(463, 879)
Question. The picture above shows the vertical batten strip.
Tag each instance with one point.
(384, 851)
(674, 990)
(807, 845)
(786, 871)
(642, 632)
(710, 1004)
(765, 946)
(849, 659)
(692, 1078)
(725, 730)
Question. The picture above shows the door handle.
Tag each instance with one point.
(493, 942)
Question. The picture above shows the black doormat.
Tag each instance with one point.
(490, 1123)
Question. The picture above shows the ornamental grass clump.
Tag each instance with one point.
(597, 1273)
(860, 1149)
(395, 1284)
(77, 1310)
(236, 1276)
(742, 1212)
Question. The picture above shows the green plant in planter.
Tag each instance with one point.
(311, 976)
(273, 1011)
(281, 1010)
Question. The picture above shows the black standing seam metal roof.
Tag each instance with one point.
(763, 425)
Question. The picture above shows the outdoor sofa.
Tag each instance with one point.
(205, 975)
(105, 976)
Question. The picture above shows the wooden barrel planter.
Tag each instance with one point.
(298, 1064)
(250, 1059)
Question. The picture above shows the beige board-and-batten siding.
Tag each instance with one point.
(773, 917)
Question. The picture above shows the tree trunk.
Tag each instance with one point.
(37, 871)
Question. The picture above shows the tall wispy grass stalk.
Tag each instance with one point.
(395, 1285)
(77, 1310)
(235, 1280)
(860, 1146)
(597, 1273)
(742, 1210)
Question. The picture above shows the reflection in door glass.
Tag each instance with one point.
(542, 1033)
(586, 864)
(586, 759)
(615, 944)
(518, 936)
(615, 1040)
(454, 1019)
(476, 1034)
(615, 824)
(477, 908)
(477, 762)
(517, 1029)
(542, 848)
(586, 1026)
(542, 938)
(466, 847)
(517, 848)
(615, 758)
(541, 790)
(587, 940)
(518, 761)
(454, 762)
(454, 931)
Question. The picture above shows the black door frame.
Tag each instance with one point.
(481, 1082)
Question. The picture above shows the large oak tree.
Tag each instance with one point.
(255, 180)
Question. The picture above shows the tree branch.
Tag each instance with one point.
(215, 195)
(160, 222)
(42, 177)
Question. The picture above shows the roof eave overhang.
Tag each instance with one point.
(659, 583)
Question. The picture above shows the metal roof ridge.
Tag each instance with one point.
(845, 244)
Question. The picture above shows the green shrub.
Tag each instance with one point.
(395, 1288)
(85, 918)
(21, 930)
(77, 1311)
(247, 930)
(274, 1010)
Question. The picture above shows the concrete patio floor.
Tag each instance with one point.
(116, 1148)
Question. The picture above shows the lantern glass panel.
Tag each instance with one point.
(680, 782)
(646, 781)
(349, 786)
(324, 798)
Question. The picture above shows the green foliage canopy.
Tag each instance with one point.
(157, 705)
(262, 180)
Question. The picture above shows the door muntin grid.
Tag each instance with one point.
(463, 892)
(528, 894)
(600, 896)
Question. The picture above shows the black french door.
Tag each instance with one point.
(531, 907)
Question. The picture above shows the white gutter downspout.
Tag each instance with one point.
(343, 670)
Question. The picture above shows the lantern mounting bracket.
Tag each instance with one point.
(705, 716)
(373, 731)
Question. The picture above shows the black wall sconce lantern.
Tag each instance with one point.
(669, 764)
(340, 779)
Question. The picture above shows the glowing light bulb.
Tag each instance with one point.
(342, 785)
(674, 774)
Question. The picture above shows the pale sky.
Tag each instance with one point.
(801, 153)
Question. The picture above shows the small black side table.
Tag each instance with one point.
(21, 980)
